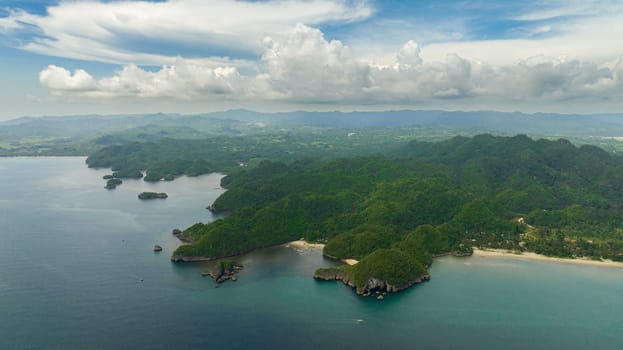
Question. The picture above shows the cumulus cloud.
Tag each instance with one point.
(303, 66)
(60, 79)
(183, 80)
(99, 31)
(409, 54)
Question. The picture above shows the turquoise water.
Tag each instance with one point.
(77, 272)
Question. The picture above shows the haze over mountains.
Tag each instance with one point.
(550, 124)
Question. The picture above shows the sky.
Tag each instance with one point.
(61, 57)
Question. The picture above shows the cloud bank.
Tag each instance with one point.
(304, 66)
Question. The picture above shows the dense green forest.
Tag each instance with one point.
(426, 199)
(85, 134)
(169, 158)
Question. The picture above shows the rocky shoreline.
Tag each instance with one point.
(372, 287)
(179, 234)
(218, 211)
(227, 270)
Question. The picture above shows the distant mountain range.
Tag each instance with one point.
(499, 122)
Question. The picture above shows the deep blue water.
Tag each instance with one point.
(77, 271)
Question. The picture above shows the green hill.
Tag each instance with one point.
(430, 199)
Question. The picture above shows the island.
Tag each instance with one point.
(111, 184)
(152, 195)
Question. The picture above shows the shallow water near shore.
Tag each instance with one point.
(77, 271)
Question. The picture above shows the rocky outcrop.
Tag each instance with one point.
(333, 274)
(181, 236)
(215, 210)
(225, 271)
(372, 287)
(178, 258)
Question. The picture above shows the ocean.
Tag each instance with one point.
(77, 271)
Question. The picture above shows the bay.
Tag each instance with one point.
(77, 271)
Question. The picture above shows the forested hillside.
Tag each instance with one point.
(86, 134)
(169, 158)
(544, 196)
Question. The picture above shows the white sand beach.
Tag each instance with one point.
(539, 257)
(300, 244)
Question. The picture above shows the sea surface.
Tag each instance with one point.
(77, 271)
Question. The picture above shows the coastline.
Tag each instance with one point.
(501, 253)
(301, 244)
(304, 245)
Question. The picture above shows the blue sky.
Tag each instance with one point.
(79, 57)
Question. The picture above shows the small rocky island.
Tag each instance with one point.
(111, 184)
(152, 195)
(225, 270)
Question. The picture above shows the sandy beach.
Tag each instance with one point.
(304, 245)
(350, 261)
(539, 257)
(300, 244)
(490, 253)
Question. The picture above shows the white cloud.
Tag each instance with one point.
(291, 62)
(587, 30)
(58, 78)
(554, 9)
(585, 40)
(304, 67)
(10, 23)
(183, 80)
(409, 54)
(99, 31)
